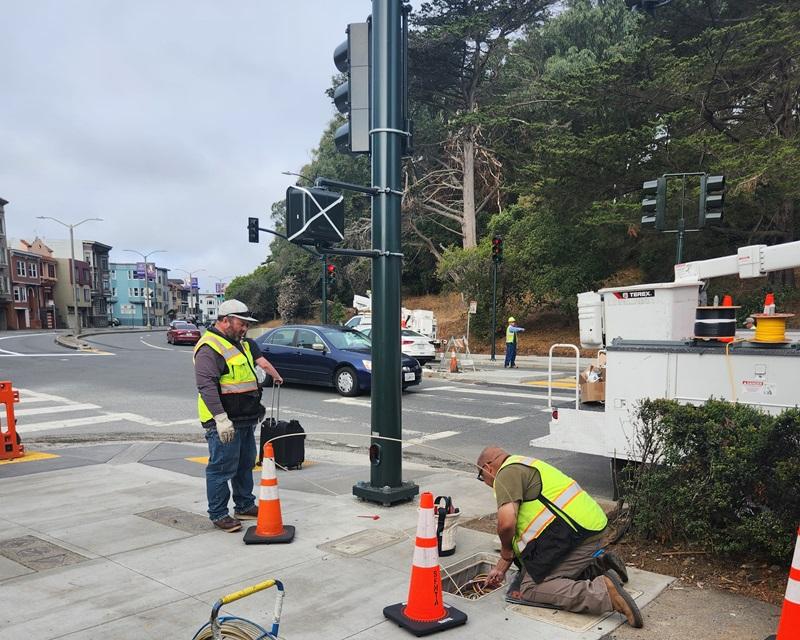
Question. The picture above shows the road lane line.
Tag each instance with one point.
(152, 346)
(28, 395)
(22, 427)
(429, 436)
(61, 409)
(506, 394)
(366, 403)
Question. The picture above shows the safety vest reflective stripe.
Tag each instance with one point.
(545, 517)
(426, 557)
(238, 387)
(268, 493)
(225, 352)
(793, 587)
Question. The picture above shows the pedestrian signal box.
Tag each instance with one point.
(314, 216)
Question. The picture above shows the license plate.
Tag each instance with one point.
(409, 377)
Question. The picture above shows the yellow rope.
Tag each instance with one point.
(770, 329)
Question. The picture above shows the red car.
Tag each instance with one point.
(182, 333)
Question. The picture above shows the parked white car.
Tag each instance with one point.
(412, 344)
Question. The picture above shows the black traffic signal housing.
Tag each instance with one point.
(252, 229)
(331, 270)
(712, 198)
(497, 249)
(654, 203)
(351, 98)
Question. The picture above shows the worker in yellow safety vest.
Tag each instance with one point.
(511, 343)
(229, 407)
(555, 533)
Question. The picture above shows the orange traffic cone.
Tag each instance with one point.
(769, 304)
(453, 362)
(269, 528)
(727, 301)
(425, 612)
(789, 626)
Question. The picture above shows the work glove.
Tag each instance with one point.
(225, 429)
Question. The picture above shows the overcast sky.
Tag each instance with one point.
(170, 119)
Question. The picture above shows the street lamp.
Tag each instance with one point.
(147, 298)
(73, 278)
(197, 296)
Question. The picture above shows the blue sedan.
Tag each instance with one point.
(327, 355)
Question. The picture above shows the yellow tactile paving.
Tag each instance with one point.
(204, 460)
(31, 456)
(561, 383)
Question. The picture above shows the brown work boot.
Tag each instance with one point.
(622, 602)
(610, 560)
(247, 514)
(228, 524)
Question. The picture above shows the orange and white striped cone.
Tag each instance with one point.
(425, 612)
(789, 626)
(453, 362)
(269, 528)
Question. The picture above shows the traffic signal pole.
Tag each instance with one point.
(494, 309)
(387, 134)
(324, 310)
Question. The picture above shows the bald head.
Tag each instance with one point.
(493, 454)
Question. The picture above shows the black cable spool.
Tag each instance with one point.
(715, 322)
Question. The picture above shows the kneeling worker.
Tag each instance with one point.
(554, 531)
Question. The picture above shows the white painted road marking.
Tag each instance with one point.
(459, 416)
(429, 436)
(488, 392)
(152, 346)
(60, 409)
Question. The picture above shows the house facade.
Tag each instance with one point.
(48, 279)
(96, 255)
(5, 280)
(136, 299)
(71, 274)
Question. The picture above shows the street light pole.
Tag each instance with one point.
(146, 291)
(73, 277)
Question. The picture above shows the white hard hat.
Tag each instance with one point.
(235, 308)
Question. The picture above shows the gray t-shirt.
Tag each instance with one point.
(517, 483)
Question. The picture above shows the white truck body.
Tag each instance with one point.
(647, 332)
(420, 320)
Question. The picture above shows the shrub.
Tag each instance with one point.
(724, 476)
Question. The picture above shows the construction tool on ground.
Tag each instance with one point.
(10, 442)
(235, 628)
(425, 612)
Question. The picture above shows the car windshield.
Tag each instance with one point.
(347, 339)
(411, 334)
(187, 327)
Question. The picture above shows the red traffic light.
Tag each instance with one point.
(331, 268)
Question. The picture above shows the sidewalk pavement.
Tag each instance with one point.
(112, 541)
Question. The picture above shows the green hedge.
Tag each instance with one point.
(723, 476)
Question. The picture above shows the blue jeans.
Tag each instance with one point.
(511, 353)
(230, 462)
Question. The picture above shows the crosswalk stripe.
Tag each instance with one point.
(60, 409)
(442, 414)
(429, 436)
(22, 427)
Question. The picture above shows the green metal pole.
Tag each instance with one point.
(681, 225)
(494, 309)
(386, 485)
(324, 310)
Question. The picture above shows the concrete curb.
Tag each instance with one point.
(69, 341)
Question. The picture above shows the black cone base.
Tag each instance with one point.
(251, 537)
(453, 618)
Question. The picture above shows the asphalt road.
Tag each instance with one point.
(139, 387)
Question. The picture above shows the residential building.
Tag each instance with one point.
(136, 299)
(48, 270)
(71, 277)
(209, 305)
(178, 299)
(26, 290)
(5, 280)
(95, 254)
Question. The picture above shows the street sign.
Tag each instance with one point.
(473, 306)
(221, 287)
(314, 215)
(140, 271)
(194, 284)
(151, 271)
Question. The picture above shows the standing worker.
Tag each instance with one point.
(511, 343)
(229, 405)
(554, 532)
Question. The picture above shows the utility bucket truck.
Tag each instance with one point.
(649, 334)
(419, 320)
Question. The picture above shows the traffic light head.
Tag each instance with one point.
(331, 273)
(352, 97)
(712, 197)
(252, 229)
(497, 249)
(654, 203)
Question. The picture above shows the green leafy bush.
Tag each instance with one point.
(724, 476)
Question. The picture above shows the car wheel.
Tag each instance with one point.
(169, 340)
(346, 382)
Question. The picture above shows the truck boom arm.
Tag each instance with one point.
(749, 262)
